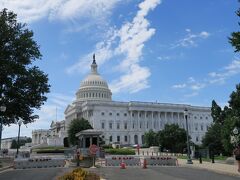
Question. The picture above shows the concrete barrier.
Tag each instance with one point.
(38, 163)
(161, 161)
(117, 160)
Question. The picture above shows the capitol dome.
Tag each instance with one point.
(94, 87)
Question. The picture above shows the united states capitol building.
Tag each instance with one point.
(122, 122)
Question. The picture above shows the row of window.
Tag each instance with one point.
(195, 117)
(125, 125)
(110, 114)
(94, 82)
(94, 95)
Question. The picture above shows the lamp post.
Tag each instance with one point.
(189, 160)
(236, 142)
(19, 124)
(2, 109)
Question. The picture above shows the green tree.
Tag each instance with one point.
(14, 144)
(76, 126)
(213, 138)
(150, 138)
(22, 85)
(173, 138)
(235, 37)
(216, 113)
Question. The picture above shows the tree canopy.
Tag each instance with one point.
(235, 37)
(150, 138)
(22, 85)
(224, 121)
(172, 138)
(76, 126)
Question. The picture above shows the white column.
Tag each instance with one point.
(152, 124)
(138, 123)
(166, 120)
(178, 119)
(159, 121)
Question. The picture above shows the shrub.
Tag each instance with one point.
(79, 174)
(120, 151)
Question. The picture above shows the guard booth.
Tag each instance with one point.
(86, 139)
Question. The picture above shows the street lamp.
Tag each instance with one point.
(19, 124)
(2, 109)
(189, 160)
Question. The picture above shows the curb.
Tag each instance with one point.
(212, 170)
(5, 168)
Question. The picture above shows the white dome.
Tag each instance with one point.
(94, 87)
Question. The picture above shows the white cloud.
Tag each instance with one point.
(33, 10)
(179, 86)
(218, 77)
(228, 71)
(193, 94)
(127, 42)
(197, 86)
(191, 39)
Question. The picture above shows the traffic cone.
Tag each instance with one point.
(122, 165)
(144, 164)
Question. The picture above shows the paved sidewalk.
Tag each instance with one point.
(216, 167)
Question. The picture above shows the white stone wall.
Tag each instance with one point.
(138, 118)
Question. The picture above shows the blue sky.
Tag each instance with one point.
(148, 50)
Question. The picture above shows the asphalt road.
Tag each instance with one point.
(164, 173)
(131, 173)
(33, 174)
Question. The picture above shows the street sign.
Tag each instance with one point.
(93, 149)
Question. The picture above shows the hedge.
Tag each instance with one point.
(120, 151)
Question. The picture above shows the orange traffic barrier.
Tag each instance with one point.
(122, 165)
(144, 164)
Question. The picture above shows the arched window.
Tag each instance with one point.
(135, 139)
(143, 142)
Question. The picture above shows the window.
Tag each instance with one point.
(118, 125)
(125, 125)
(125, 114)
(110, 138)
(206, 117)
(110, 125)
(133, 125)
(196, 127)
(147, 125)
(200, 117)
(195, 117)
(132, 115)
(202, 127)
(125, 138)
(117, 114)
(102, 125)
(196, 139)
(140, 125)
(118, 138)
(110, 114)
(102, 113)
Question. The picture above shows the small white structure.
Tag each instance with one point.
(51, 137)
(6, 143)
